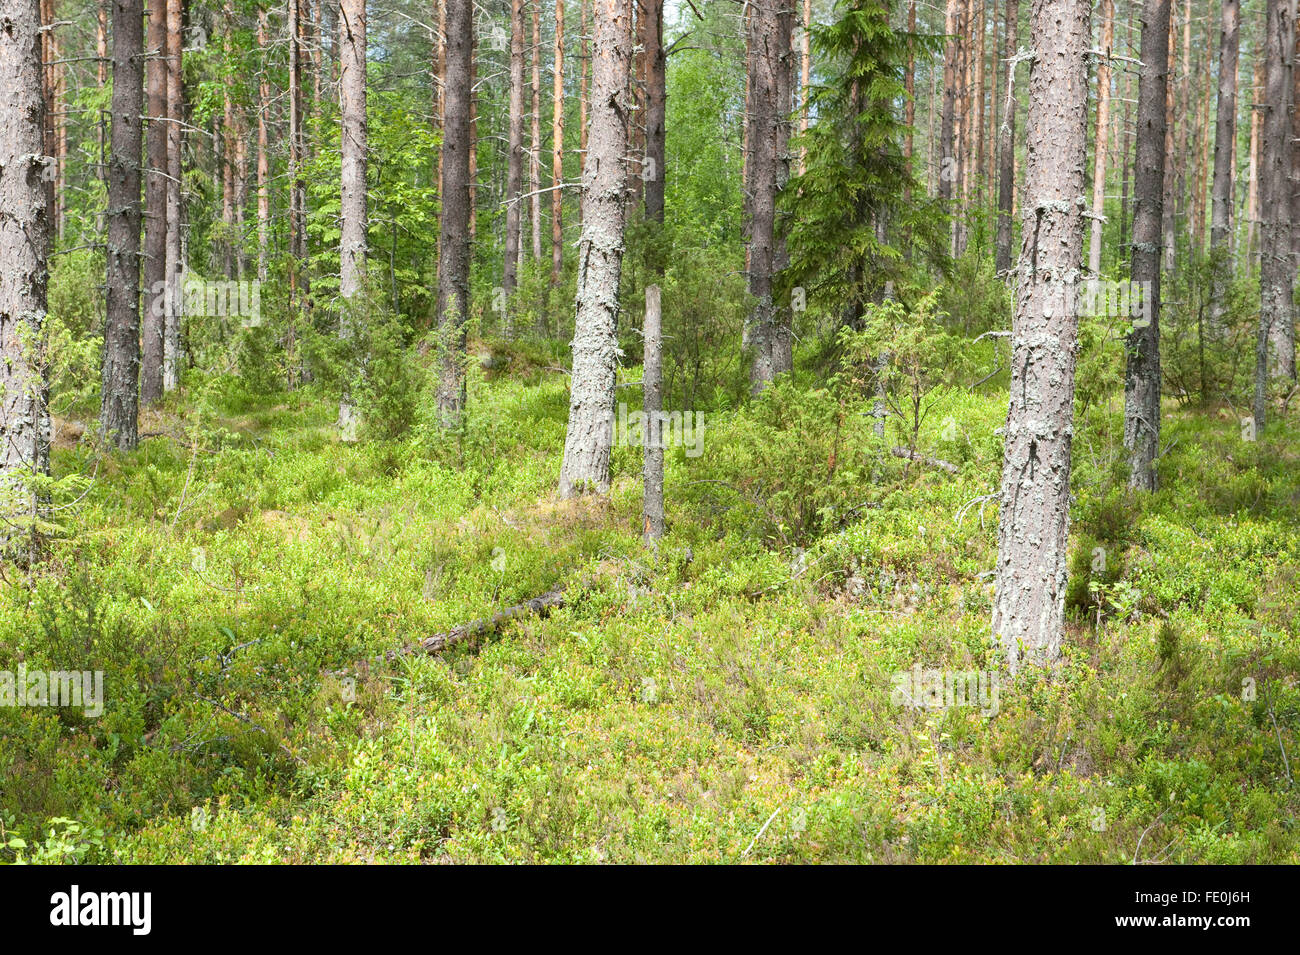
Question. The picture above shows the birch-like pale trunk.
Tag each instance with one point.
(352, 182)
(600, 256)
(1034, 513)
(119, 398)
(24, 249)
(1142, 346)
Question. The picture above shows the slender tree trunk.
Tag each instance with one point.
(299, 283)
(767, 327)
(1007, 144)
(1142, 368)
(1225, 144)
(457, 211)
(652, 385)
(155, 226)
(24, 249)
(951, 79)
(1295, 149)
(263, 153)
(535, 135)
(909, 99)
(119, 405)
(557, 150)
(805, 78)
(515, 154)
(1099, 141)
(978, 92)
(1170, 152)
(175, 262)
(1034, 515)
(352, 181)
(656, 103)
(1275, 348)
(1252, 193)
(584, 73)
(600, 257)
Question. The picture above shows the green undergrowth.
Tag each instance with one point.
(240, 577)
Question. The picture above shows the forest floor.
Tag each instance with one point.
(731, 698)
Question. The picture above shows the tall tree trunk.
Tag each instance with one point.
(1007, 144)
(119, 405)
(535, 135)
(24, 249)
(155, 225)
(652, 387)
(656, 103)
(352, 182)
(1275, 347)
(951, 79)
(978, 92)
(299, 283)
(557, 150)
(515, 155)
(454, 224)
(767, 327)
(584, 74)
(174, 304)
(263, 152)
(600, 257)
(805, 76)
(909, 99)
(1252, 193)
(1099, 141)
(1225, 144)
(1142, 368)
(1034, 514)
(1170, 179)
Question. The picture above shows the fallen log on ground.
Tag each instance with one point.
(551, 600)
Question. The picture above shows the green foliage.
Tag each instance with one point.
(857, 215)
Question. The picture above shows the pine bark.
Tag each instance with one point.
(1007, 145)
(1142, 367)
(1225, 144)
(515, 153)
(155, 226)
(174, 301)
(1034, 514)
(454, 224)
(557, 150)
(652, 385)
(655, 109)
(1275, 345)
(767, 328)
(119, 400)
(24, 249)
(600, 256)
(535, 135)
(1100, 139)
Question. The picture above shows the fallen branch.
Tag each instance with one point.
(542, 605)
(922, 459)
